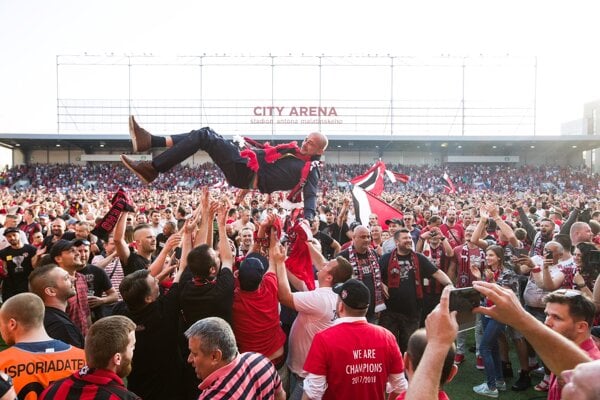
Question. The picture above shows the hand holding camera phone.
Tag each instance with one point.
(464, 300)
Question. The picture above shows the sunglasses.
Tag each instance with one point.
(569, 293)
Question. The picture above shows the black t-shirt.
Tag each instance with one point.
(98, 283)
(210, 299)
(326, 242)
(338, 233)
(59, 326)
(135, 262)
(401, 283)
(157, 357)
(18, 265)
(367, 276)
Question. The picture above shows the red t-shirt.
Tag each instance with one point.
(455, 234)
(256, 318)
(590, 347)
(356, 358)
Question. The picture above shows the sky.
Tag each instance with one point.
(561, 35)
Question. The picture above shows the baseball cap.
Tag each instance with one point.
(354, 294)
(393, 221)
(60, 246)
(250, 273)
(10, 230)
(79, 242)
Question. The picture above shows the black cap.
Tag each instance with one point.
(250, 273)
(10, 230)
(59, 247)
(354, 294)
(393, 221)
(79, 242)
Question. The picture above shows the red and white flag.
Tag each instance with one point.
(448, 184)
(366, 203)
(372, 180)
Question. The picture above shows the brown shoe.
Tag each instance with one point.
(143, 169)
(140, 138)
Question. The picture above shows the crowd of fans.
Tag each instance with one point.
(528, 229)
(498, 178)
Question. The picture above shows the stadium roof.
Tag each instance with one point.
(92, 143)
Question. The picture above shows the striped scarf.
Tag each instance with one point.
(374, 267)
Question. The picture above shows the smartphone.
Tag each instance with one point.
(464, 300)
(519, 252)
(549, 255)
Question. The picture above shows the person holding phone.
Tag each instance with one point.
(489, 348)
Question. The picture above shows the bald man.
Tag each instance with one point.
(35, 359)
(245, 163)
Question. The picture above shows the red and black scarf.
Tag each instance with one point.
(274, 153)
(374, 267)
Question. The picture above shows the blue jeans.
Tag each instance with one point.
(490, 351)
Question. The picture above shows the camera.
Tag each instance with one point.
(464, 300)
(591, 264)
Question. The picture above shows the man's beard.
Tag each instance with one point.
(124, 369)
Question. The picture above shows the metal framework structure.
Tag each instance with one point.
(344, 96)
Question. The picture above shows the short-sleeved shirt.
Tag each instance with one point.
(256, 318)
(211, 299)
(248, 376)
(98, 283)
(33, 366)
(589, 346)
(356, 359)
(402, 282)
(18, 265)
(135, 262)
(316, 312)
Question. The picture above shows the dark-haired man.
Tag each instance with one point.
(157, 357)
(18, 259)
(412, 357)
(207, 286)
(353, 359)
(66, 256)
(405, 272)
(571, 314)
(55, 287)
(316, 308)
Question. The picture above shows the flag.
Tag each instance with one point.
(366, 203)
(372, 180)
(448, 185)
(396, 177)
